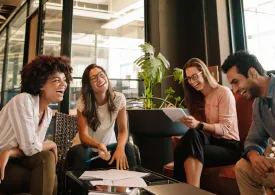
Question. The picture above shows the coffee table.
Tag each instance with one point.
(79, 187)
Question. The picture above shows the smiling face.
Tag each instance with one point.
(195, 78)
(54, 88)
(240, 84)
(98, 81)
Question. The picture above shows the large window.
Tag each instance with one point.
(260, 30)
(15, 53)
(107, 32)
(52, 23)
(34, 4)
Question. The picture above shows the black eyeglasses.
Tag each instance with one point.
(95, 77)
(194, 77)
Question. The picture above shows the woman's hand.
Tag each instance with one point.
(103, 152)
(101, 147)
(121, 159)
(170, 106)
(50, 146)
(4, 158)
(104, 156)
(190, 121)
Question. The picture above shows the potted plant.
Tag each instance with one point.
(153, 72)
(151, 129)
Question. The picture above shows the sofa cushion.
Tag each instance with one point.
(244, 114)
(221, 171)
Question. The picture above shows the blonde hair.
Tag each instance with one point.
(194, 100)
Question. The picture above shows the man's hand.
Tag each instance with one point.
(121, 159)
(259, 163)
(4, 158)
(189, 121)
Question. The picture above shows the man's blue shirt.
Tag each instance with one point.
(263, 121)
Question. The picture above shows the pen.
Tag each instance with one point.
(87, 161)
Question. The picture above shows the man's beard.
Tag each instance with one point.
(254, 91)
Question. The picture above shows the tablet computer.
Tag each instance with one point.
(174, 113)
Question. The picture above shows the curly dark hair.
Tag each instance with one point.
(243, 60)
(90, 110)
(35, 74)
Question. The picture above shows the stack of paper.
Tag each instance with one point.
(115, 177)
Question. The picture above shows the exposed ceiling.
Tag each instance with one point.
(7, 7)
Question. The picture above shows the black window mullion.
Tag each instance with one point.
(5, 68)
(66, 43)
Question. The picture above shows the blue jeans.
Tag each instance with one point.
(77, 156)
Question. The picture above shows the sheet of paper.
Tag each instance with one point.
(174, 113)
(112, 174)
(135, 182)
(105, 182)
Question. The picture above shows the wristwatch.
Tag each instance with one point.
(200, 126)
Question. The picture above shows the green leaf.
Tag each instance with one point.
(139, 60)
(163, 60)
(170, 91)
(177, 98)
(178, 75)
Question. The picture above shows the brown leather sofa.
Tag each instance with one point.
(221, 180)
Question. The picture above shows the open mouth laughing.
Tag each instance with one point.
(60, 92)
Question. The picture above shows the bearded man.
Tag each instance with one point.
(247, 76)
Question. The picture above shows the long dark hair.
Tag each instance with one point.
(90, 110)
(194, 99)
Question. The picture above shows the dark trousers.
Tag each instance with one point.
(78, 154)
(211, 152)
(34, 174)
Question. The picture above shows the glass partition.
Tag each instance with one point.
(126, 86)
(260, 30)
(15, 53)
(52, 24)
(107, 33)
(34, 4)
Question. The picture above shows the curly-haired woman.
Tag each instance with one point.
(27, 162)
(97, 110)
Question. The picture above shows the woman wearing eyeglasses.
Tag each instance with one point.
(97, 110)
(213, 137)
